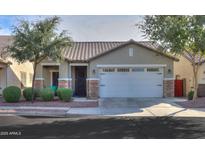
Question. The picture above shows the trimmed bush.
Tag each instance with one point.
(190, 95)
(65, 94)
(12, 94)
(27, 93)
(58, 93)
(46, 94)
(38, 92)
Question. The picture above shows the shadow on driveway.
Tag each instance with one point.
(117, 128)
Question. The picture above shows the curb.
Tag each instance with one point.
(32, 108)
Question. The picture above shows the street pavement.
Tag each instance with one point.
(98, 127)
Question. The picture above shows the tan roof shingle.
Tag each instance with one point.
(85, 51)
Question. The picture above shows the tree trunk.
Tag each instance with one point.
(195, 71)
(34, 75)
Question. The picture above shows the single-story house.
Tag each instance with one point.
(183, 70)
(12, 73)
(111, 69)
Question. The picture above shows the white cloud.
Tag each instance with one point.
(4, 31)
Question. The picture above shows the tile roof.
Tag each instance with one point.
(85, 51)
(197, 59)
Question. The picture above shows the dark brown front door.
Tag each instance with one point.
(55, 76)
(80, 81)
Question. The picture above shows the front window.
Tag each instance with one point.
(108, 69)
(152, 69)
(123, 69)
(138, 69)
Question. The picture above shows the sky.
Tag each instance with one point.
(87, 28)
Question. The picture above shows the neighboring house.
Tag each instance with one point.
(183, 70)
(111, 69)
(12, 73)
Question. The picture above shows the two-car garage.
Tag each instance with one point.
(131, 81)
(131, 70)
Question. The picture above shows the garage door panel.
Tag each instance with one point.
(131, 84)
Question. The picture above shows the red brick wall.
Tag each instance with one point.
(38, 83)
(64, 84)
(168, 88)
(92, 89)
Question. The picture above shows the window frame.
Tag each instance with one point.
(123, 69)
(136, 69)
(153, 69)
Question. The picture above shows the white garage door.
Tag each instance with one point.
(131, 82)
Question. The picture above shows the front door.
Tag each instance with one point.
(80, 81)
(55, 76)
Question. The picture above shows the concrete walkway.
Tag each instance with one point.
(140, 107)
(113, 107)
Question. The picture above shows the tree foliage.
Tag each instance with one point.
(177, 33)
(180, 35)
(36, 41)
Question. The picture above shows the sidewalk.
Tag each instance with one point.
(34, 111)
(38, 108)
(160, 109)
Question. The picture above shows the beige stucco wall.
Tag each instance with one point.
(73, 77)
(201, 74)
(63, 66)
(64, 70)
(14, 73)
(11, 74)
(141, 56)
(2, 79)
(184, 69)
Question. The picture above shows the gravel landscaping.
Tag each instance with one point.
(199, 103)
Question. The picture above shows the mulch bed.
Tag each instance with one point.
(55, 103)
(198, 103)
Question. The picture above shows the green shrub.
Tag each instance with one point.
(12, 94)
(58, 93)
(38, 92)
(46, 94)
(27, 93)
(190, 95)
(65, 94)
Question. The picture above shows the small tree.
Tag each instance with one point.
(36, 41)
(182, 35)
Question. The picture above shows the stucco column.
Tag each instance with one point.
(64, 80)
(39, 79)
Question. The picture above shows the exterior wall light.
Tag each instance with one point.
(93, 71)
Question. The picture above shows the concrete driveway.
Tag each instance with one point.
(140, 107)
